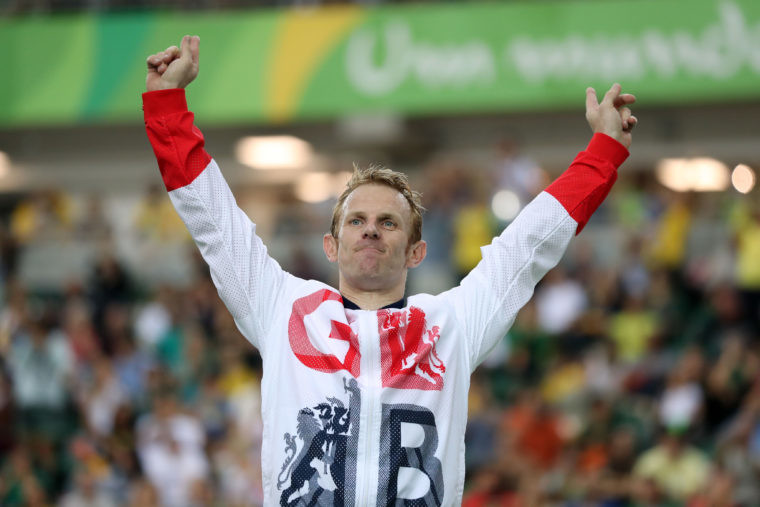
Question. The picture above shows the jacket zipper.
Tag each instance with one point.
(369, 434)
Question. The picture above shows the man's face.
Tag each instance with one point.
(372, 248)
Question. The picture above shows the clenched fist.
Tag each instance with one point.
(175, 67)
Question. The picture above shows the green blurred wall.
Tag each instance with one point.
(270, 66)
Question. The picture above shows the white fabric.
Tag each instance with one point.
(464, 323)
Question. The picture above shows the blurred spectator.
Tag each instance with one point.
(728, 381)
(669, 244)
(746, 224)
(9, 249)
(241, 386)
(473, 228)
(101, 397)
(633, 204)
(156, 219)
(565, 382)
(7, 412)
(473, 225)
(672, 470)
(133, 367)
(153, 319)
(171, 449)
(490, 486)
(533, 429)
(143, 494)
(41, 368)
(92, 223)
(85, 494)
(44, 214)
(14, 312)
(538, 346)
(517, 172)
(482, 425)
(635, 277)
(718, 315)
(110, 291)
(612, 482)
(604, 373)
(560, 301)
(719, 491)
(80, 333)
(239, 469)
(682, 400)
(21, 483)
(736, 458)
(632, 328)
(439, 184)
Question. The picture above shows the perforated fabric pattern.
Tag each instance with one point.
(489, 298)
(248, 280)
(537, 239)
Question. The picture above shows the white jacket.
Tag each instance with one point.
(365, 407)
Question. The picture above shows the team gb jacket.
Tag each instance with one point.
(365, 408)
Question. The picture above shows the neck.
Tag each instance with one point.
(371, 299)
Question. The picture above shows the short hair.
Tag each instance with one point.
(380, 175)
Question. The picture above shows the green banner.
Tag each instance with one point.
(279, 66)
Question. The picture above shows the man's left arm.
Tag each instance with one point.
(492, 294)
(588, 180)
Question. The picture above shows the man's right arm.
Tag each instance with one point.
(248, 280)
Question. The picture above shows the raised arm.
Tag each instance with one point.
(248, 280)
(489, 298)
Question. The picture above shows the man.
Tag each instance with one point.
(364, 394)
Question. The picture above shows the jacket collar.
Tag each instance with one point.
(350, 305)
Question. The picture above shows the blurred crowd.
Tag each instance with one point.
(631, 378)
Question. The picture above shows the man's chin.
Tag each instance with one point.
(370, 280)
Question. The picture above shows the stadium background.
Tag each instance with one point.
(631, 377)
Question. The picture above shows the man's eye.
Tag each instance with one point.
(389, 224)
(355, 221)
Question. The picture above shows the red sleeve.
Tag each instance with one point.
(588, 180)
(177, 143)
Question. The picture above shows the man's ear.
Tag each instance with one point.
(330, 246)
(416, 254)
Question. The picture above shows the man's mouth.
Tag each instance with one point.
(369, 247)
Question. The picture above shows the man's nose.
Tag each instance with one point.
(371, 231)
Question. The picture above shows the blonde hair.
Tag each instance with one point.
(382, 176)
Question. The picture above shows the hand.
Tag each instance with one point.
(175, 67)
(611, 116)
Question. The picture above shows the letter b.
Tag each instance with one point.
(410, 474)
